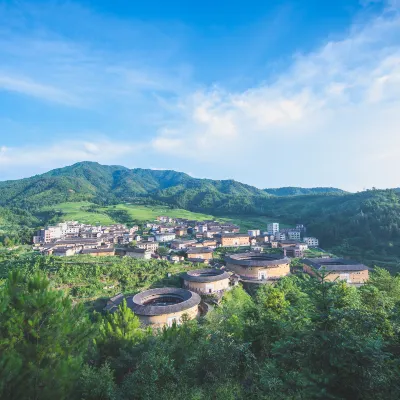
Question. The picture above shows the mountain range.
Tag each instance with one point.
(106, 184)
(365, 225)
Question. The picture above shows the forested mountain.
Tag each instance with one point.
(296, 191)
(106, 184)
(365, 225)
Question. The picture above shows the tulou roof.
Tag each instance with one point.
(257, 259)
(199, 250)
(205, 275)
(98, 250)
(335, 264)
(233, 235)
(141, 304)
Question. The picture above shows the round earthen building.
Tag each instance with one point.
(207, 280)
(164, 306)
(258, 266)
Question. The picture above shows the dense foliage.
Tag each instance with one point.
(112, 184)
(299, 339)
(296, 191)
(16, 226)
(89, 279)
(363, 225)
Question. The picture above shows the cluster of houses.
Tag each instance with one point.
(191, 239)
(71, 237)
(196, 241)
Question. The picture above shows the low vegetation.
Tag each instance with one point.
(92, 280)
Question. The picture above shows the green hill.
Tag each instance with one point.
(89, 181)
(365, 225)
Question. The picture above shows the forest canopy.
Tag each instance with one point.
(299, 339)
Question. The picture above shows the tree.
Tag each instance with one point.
(43, 340)
(117, 331)
(97, 384)
(162, 251)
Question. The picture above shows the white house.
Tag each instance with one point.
(134, 229)
(202, 228)
(302, 246)
(254, 232)
(164, 237)
(311, 241)
(138, 253)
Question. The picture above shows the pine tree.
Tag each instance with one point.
(43, 338)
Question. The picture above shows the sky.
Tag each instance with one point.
(269, 93)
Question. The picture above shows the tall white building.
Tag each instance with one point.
(49, 234)
(273, 228)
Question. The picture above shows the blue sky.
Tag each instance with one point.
(271, 93)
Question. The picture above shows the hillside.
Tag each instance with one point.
(89, 181)
(298, 191)
(364, 225)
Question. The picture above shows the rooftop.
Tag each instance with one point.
(205, 275)
(114, 302)
(257, 259)
(199, 250)
(232, 235)
(136, 250)
(182, 241)
(101, 250)
(335, 264)
(163, 301)
(63, 249)
(77, 240)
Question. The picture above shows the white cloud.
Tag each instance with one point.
(28, 87)
(114, 62)
(20, 160)
(330, 119)
(334, 112)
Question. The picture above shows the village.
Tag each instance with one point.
(197, 240)
(254, 256)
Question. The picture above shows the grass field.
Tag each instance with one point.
(247, 222)
(146, 213)
(75, 212)
(78, 211)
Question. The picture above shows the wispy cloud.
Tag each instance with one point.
(42, 157)
(336, 109)
(330, 118)
(30, 88)
(112, 62)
